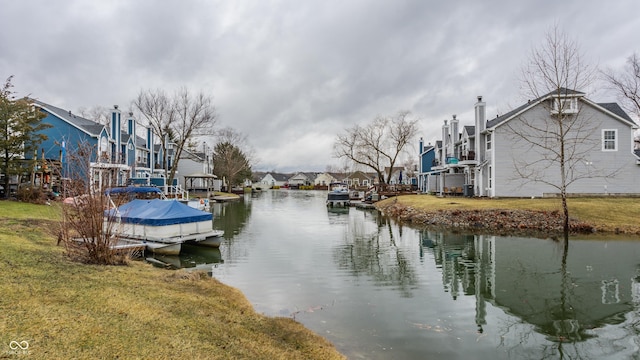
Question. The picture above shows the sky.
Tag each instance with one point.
(293, 74)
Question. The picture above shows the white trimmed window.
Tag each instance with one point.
(565, 106)
(609, 139)
(489, 141)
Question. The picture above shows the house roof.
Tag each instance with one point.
(470, 129)
(616, 109)
(428, 148)
(610, 107)
(90, 127)
(305, 175)
(359, 174)
(278, 176)
(186, 154)
(201, 175)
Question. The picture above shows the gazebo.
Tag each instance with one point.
(200, 182)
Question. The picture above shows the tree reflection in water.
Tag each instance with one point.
(568, 298)
(368, 252)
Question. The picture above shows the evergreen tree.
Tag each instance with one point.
(20, 126)
(230, 163)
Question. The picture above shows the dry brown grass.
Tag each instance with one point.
(65, 310)
(609, 214)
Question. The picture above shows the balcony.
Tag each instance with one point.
(468, 155)
(468, 158)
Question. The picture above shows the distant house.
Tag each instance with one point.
(483, 159)
(325, 178)
(426, 159)
(359, 179)
(195, 171)
(302, 179)
(273, 179)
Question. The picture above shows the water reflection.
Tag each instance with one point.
(231, 217)
(379, 290)
(372, 251)
(191, 257)
(567, 294)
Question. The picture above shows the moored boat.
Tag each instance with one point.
(338, 195)
(163, 225)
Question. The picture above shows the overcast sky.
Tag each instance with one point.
(293, 74)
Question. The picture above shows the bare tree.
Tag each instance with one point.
(378, 144)
(99, 114)
(176, 119)
(86, 233)
(627, 84)
(560, 142)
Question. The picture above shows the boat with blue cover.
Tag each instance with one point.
(163, 225)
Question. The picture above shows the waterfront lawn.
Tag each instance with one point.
(605, 213)
(22, 210)
(65, 310)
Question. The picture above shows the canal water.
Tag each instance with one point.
(378, 290)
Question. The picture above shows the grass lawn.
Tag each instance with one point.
(606, 214)
(65, 310)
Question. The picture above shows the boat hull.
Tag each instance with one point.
(163, 249)
(338, 199)
(212, 239)
(154, 247)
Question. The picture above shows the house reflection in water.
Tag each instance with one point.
(597, 285)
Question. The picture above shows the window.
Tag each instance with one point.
(489, 141)
(565, 105)
(610, 140)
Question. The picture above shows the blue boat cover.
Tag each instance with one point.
(132, 190)
(159, 212)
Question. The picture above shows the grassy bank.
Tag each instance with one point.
(605, 214)
(69, 310)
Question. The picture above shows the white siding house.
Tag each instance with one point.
(324, 179)
(270, 180)
(500, 158)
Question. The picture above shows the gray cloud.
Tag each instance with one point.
(292, 74)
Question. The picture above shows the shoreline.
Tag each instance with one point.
(537, 223)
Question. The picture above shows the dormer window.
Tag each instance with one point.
(564, 106)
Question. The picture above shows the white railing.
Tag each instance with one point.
(177, 192)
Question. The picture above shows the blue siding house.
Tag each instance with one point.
(116, 155)
(427, 157)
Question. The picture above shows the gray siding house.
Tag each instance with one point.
(498, 158)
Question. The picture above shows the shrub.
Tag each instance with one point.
(31, 194)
